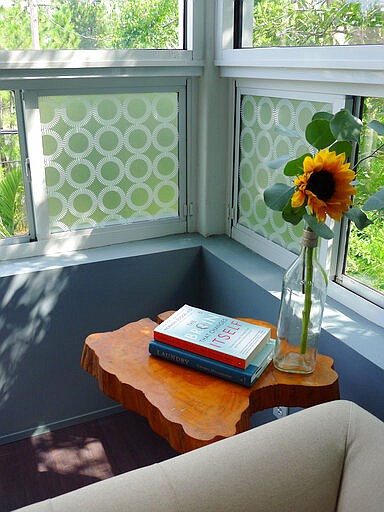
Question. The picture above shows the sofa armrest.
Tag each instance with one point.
(362, 484)
(292, 464)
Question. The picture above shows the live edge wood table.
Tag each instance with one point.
(188, 408)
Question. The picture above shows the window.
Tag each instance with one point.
(330, 73)
(93, 167)
(101, 131)
(92, 24)
(107, 162)
(362, 258)
(267, 23)
(271, 129)
(14, 222)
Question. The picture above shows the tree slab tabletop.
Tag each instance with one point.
(188, 408)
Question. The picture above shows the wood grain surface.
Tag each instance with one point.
(189, 408)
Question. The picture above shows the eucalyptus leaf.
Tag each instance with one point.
(358, 217)
(375, 202)
(276, 196)
(342, 146)
(293, 215)
(295, 167)
(318, 133)
(377, 126)
(322, 115)
(319, 228)
(346, 126)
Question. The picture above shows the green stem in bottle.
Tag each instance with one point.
(308, 277)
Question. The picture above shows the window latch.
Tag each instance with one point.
(28, 170)
(188, 209)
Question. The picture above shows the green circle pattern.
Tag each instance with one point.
(110, 158)
(277, 128)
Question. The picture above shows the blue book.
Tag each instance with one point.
(245, 377)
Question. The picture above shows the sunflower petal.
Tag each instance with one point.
(297, 199)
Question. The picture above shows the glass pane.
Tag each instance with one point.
(270, 130)
(13, 220)
(91, 24)
(315, 23)
(365, 259)
(110, 159)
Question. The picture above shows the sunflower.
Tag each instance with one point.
(325, 185)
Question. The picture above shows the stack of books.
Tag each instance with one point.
(222, 346)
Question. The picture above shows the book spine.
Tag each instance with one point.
(201, 350)
(189, 360)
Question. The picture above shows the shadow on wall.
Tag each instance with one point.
(27, 302)
(46, 315)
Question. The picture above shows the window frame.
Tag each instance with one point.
(346, 71)
(41, 241)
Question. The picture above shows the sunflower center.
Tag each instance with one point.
(322, 184)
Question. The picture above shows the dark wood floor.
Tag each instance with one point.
(44, 466)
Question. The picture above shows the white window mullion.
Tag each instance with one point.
(182, 153)
(37, 168)
(25, 164)
(234, 200)
(247, 30)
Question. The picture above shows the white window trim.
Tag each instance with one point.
(82, 59)
(357, 58)
(23, 64)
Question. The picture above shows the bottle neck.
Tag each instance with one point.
(309, 239)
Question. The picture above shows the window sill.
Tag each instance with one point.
(97, 254)
(368, 57)
(355, 70)
(28, 64)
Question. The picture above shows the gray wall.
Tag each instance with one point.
(46, 315)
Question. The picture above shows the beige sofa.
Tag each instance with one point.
(326, 458)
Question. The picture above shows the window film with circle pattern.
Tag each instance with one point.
(110, 158)
(270, 130)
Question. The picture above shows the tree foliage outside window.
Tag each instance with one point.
(317, 22)
(89, 24)
(12, 202)
(365, 258)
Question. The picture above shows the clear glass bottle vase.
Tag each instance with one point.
(301, 310)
